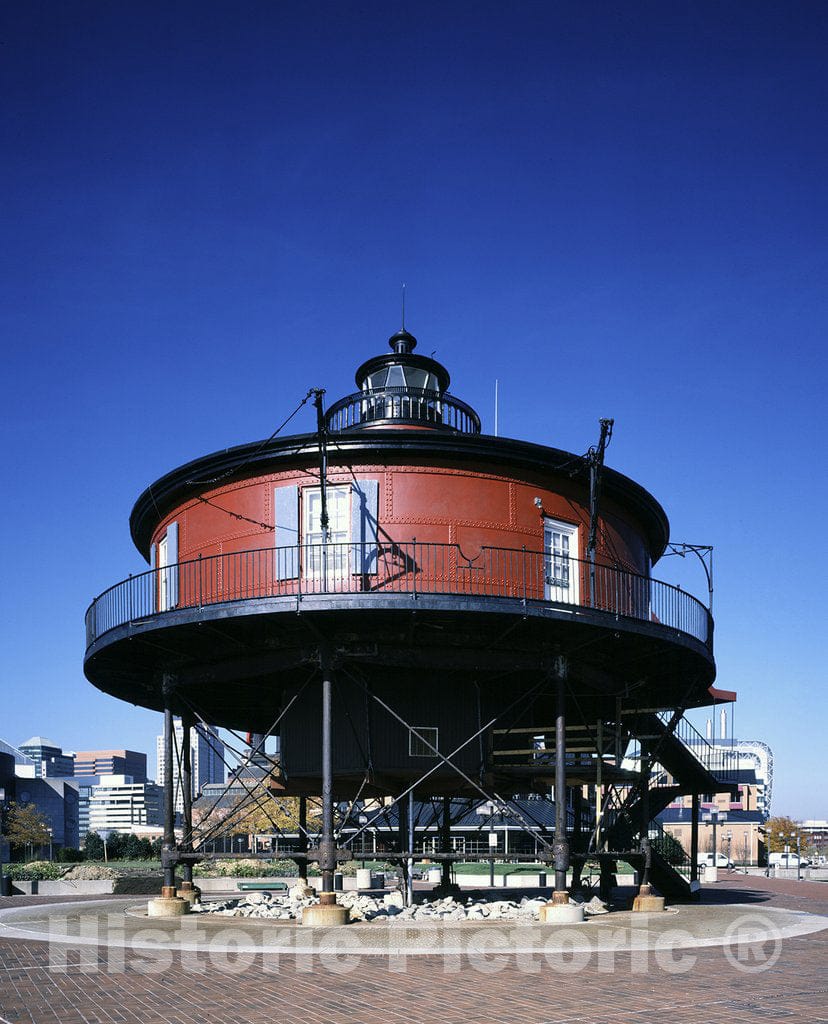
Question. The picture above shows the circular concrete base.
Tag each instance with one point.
(325, 915)
(190, 895)
(123, 924)
(646, 903)
(561, 913)
(164, 906)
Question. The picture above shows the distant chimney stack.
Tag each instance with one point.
(710, 728)
(724, 723)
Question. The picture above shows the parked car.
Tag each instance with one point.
(787, 860)
(705, 860)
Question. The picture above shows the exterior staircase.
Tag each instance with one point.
(677, 761)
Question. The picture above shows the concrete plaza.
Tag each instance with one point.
(142, 976)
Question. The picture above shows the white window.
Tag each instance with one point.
(560, 562)
(422, 741)
(332, 561)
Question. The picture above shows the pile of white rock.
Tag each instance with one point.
(388, 909)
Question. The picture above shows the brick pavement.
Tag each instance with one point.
(631, 990)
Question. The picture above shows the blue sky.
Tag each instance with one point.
(615, 209)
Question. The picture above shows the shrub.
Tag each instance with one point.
(126, 846)
(35, 871)
(245, 868)
(670, 848)
(69, 855)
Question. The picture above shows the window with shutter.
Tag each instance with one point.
(331, 561)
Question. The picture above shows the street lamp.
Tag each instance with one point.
(4, 843)
(786, 838)
(105, 833)
(716, 818)
(362, 821)
(490, 809)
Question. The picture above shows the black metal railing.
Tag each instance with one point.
(670, 849)
(416, 406)
(412, 568)
(721, 762)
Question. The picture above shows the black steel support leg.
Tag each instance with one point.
(327, 849)
(561, 846)
(302, 863)
(168, 849)
(645, 820)
(577, 838)
(445, 842)
(402, 838)
(187, 723)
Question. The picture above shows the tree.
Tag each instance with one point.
(126, 846)
(94, 847)
(267, 814)
(778, 832)
(69, 855)
(671, 849)
(24, 826)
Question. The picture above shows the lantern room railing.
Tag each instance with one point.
(413, 568)
(410, 406)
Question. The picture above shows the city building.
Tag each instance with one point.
(207, 754)
(7, 775)
(111, 762)
(815, 837)
(738, 832)
(748, 761)
(49, 759)
(419, 609)
(118, 803)
(121, 792)
(19, 759)
(57, 800)
(84, 784)
(476, 827)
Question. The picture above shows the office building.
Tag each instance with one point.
(117, 803)
(207, 752)
(49, 759)
(57, 800)
(111, 762)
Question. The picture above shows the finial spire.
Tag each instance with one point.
(403, 305)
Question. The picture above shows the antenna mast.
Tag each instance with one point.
(497, 389)
(322, 438)
(595, 459)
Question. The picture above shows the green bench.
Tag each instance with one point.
(245, 886)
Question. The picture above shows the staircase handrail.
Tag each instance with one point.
(714, 759)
